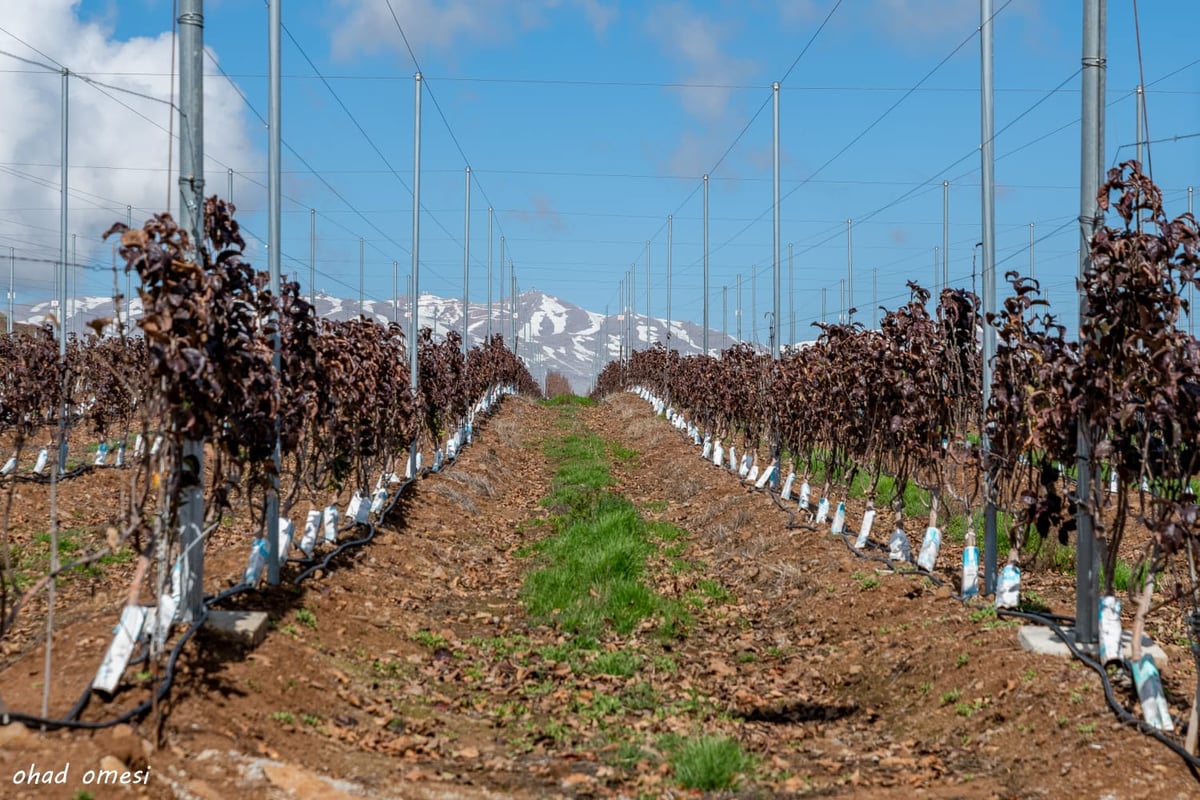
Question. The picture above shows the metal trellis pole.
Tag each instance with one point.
(988, 168)
(791, 300)
(466, 309)
(849, 301)
(737, 314)
(414, 298)
(647, 291)
(501, 299)
(191, 189)
(274, 238)
(670, 244)
(704, 336)
(491, 213)
(1087, 570)
(1031, 250)
(775, 228)
(945, 234)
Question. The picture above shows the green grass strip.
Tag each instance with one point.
(592, 569)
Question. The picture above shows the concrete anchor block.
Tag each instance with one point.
(1044, 641)
(248, 628)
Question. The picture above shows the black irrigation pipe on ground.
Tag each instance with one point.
(82, 469)
(136, 712)
(72, 721)
(1048, 619)
(1051, 621)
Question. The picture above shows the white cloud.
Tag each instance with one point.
(117, 157)
(694, 154)
(599, 14)
(543, 212)
(697, 43)
(367, 25)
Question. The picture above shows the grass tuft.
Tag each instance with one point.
(709, 763)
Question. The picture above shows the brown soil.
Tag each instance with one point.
(412, 670)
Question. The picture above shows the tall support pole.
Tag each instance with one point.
(466, 311)
(945, 234)
(73, 275)
(705, 332)
(62, 223)
(12, 273)
(628, 349)
(988, 170)
(501, 300)
(754, 304)
(775, 327)
(274, 243)
(633, 302)
(937, 266)
(647, 291)
(724, 315)
(191, 205)
(491, 213)
(874, 297)
(791, 300)
(670, 245)
(630, 297)
(415, 295)
(621, 316)
(1031, 250)
(848, 303)
(312, 257)
(128, 287)
(61, 296)
(737, 314)
(1140, 99)
(1087, 569)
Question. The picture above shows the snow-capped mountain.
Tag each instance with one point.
(552, 334)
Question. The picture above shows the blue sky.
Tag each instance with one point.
(587, 122)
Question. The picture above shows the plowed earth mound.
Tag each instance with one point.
(413, 669)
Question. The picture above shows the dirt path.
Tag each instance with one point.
(414, 670)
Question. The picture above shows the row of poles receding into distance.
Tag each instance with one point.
(191, 186)
(1091, 168)
(274, 211)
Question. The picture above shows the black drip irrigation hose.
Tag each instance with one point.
(1048, 619)
(82, 469)
(71, 720)
(136, 712)
(1051, 621)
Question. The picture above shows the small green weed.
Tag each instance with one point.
(709, 763)
(427, 639)
(621, 663)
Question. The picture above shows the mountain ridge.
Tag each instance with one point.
(554, 335)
